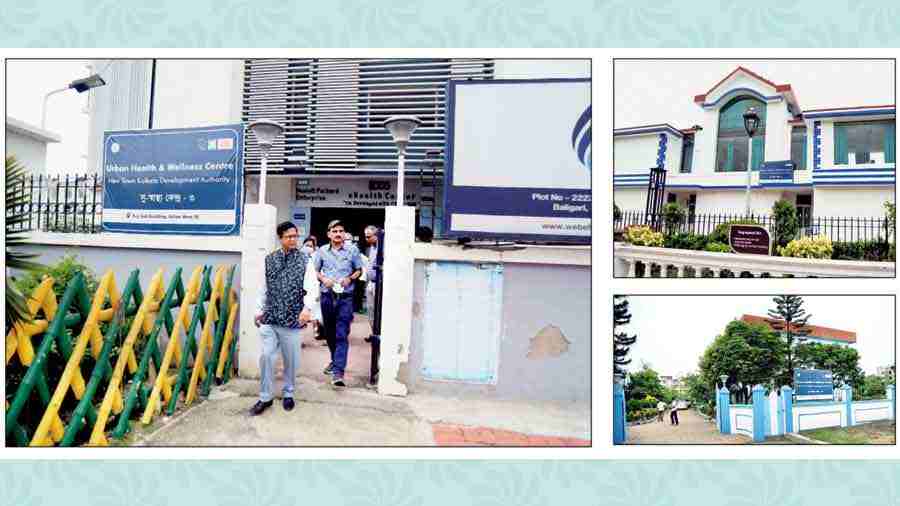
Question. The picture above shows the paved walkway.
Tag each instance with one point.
(692, 429)
(463, 435)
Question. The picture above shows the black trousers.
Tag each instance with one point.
(674, 417)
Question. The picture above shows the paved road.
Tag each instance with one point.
(693, 429)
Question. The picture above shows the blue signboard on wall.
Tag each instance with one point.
(813, 384)
(174, 181)
(782, 171)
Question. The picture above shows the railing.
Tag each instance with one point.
(71, 203)
(642, 261)
(124, 333)
(837, 228)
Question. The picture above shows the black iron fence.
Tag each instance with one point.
(72, 203)
(838, 229)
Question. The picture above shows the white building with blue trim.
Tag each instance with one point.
(839, 161)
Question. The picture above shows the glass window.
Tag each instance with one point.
(798, 147)
(863, 139)
(687, 154)
(733, 150)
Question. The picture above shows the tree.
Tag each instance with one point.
(785, 222)
(621, 340)
(646, 383)
(701, 393)
(745, 352)
(16, 308)
(842, 361)
(873, 387)
(790, 319)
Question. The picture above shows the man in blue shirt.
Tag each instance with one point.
(337, 266)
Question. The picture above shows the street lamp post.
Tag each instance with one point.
(751, 124)
(266, 132)
(79, 85)
(401, 128)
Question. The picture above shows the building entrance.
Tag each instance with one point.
(355, 221)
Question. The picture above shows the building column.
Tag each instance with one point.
(759, 414)
(397, 300)
(892, 396)
(724, 403)
(848, 403)
(258, 240)
(787, 399)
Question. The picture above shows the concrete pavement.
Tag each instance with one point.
(692, 429)
(356, 416)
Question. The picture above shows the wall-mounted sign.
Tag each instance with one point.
(750, 239)
(780, 171)
(173, 181)
(356, 193)
(519, 160)
(813, 384)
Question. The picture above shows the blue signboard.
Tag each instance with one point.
(813, 384)
(174, 181)
(777, 171)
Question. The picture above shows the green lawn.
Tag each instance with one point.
(868, 433)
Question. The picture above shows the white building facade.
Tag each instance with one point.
(836, 162)
(335, 159)
(28, 143)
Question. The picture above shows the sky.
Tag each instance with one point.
(641, 99)
(674, 330)
(27, 81)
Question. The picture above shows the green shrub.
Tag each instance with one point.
(642, 235)
(785, 222)
(720, 233)
(808, 247)
(617, 213)
(890, 220)
(62, 272)
(717, 247)
(872, 251)
(673, 215)
(686, 240)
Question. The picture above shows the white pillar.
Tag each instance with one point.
(258, 240)
(620, 267)
(397, 301)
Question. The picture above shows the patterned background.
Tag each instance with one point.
(466, 23)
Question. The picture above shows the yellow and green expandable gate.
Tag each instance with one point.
(132, 377)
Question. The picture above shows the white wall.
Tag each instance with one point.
(193, 93)
(870, 411)
(741, 420)
(778, 132)
(30, 152)
(631, 199)
(733, 201)
(705, 144)
(815, 416)
(541, 69)
(844, 201)
(635, 154)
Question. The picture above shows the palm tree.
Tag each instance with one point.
(16, 308)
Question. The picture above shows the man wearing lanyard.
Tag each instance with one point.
(337, 265)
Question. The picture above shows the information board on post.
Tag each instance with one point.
(174, 181)
(813, 385)
(518, 160)
(750, 239)
(776, 172)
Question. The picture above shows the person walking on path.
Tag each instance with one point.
(282, 309)
(371, 276)
(337, 265)
(674, 415)
(660, 410)
(310, 247)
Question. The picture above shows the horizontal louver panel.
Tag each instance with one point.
(333, 110)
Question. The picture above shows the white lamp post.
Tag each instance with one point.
(751, 124)
(401, 129)
(79, 85)
(266, 132)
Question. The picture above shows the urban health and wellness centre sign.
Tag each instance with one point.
(518, 160)
(174, 181)
(813, 385)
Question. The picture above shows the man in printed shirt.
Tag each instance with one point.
(337, 265)
(281, 311)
